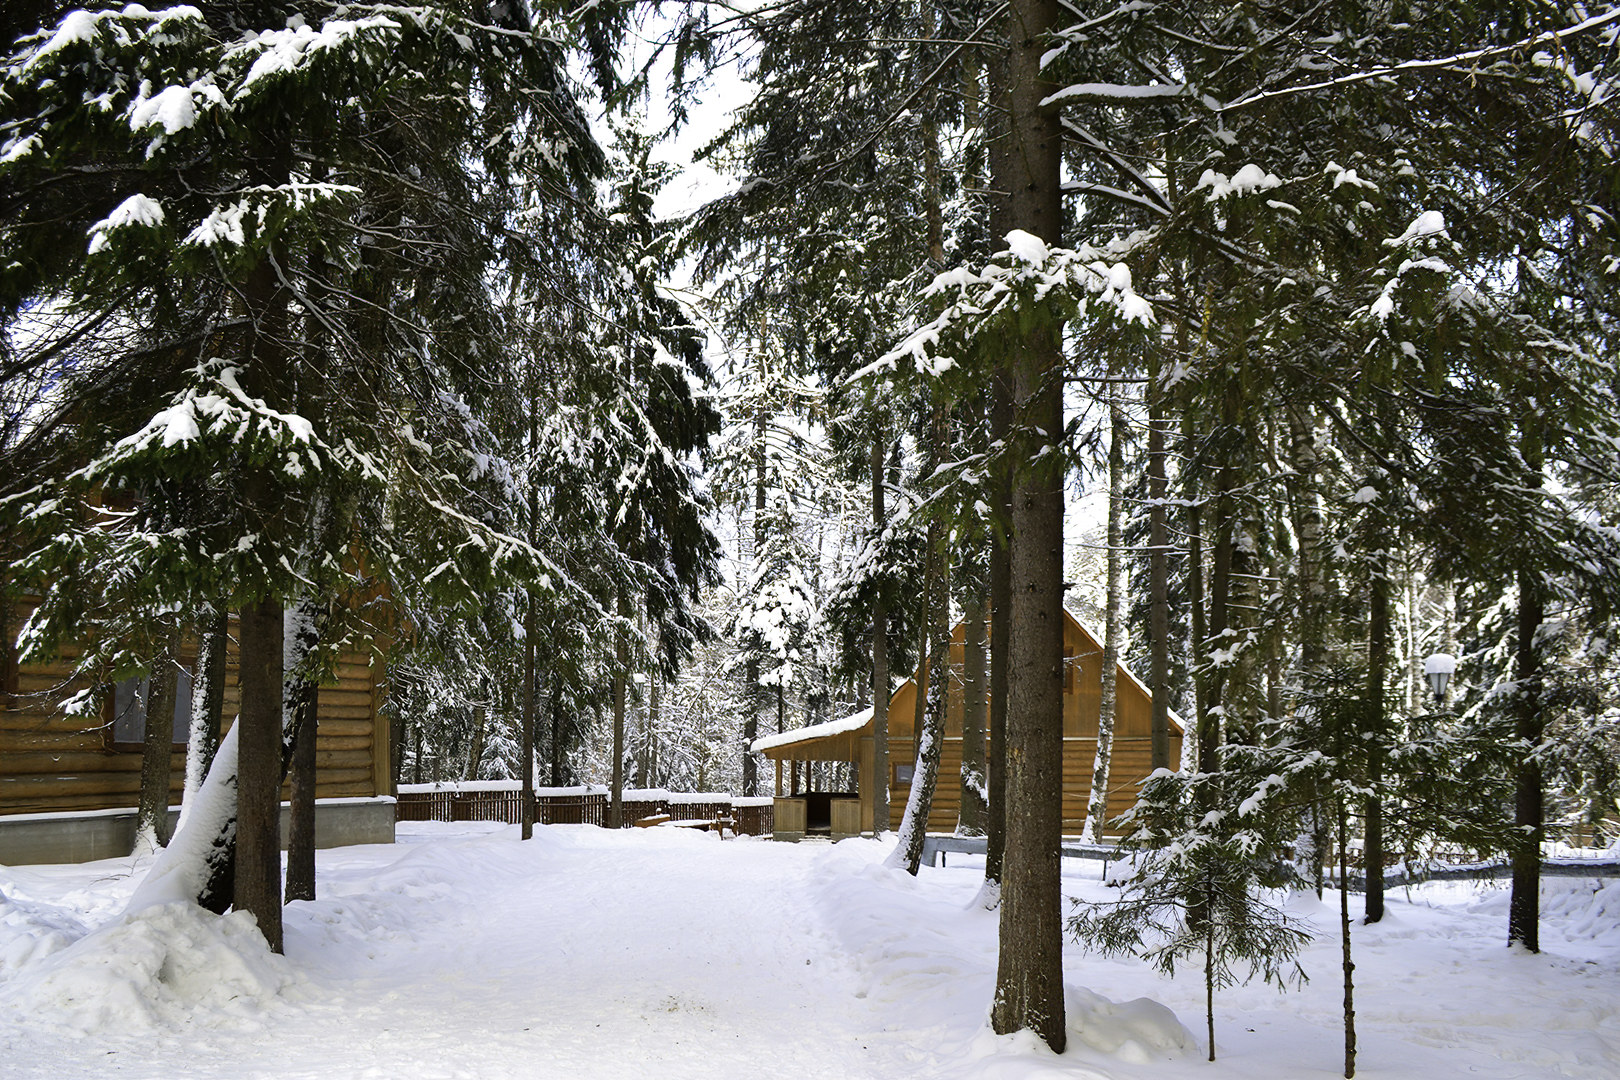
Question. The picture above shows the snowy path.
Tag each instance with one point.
(652, 955)
(462, 954)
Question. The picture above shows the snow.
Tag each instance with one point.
(1027, 247)
(1428, 223)
(172, 108)
(135, 210)
(463, 952)
(1249, 179)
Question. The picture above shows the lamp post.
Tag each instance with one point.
(1439, 668)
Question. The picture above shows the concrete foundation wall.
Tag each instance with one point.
(109, 834)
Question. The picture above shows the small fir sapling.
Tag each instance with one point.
(1225, 863)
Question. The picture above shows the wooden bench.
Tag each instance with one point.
(714, 825)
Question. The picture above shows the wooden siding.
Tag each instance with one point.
(1082, 699)
(52, 763)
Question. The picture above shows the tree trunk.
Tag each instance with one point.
(1220, 596)
(300, 691)
(157, 750)
(1375, 730)
(975, 647)
(653, 682)
(1195, 598)
(1158, 571)
(556, 732)
(1000, 623)
(930, 734)
(1027, 165)
(880, 656)
(531, 718)
(207, 702)
(258, 841)
(1113, 630)
(1346, 963)
(1303, 483)
(935, 653)
(1524, 903)
(621, 675)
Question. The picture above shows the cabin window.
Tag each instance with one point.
(903, 773)
(129, 700)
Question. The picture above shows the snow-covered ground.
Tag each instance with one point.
(464, 953)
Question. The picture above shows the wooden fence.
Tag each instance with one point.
(573, 808)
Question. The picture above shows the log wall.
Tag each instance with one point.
(50, 762)
(1082, 699)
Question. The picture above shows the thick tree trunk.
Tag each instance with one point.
(157, 750)
(1524, 903)
(1026, 165)
(258, 841)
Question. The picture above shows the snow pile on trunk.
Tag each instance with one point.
(160, 967)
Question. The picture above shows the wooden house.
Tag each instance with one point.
(848, 813)
(69, 784)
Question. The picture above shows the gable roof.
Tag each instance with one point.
(839, 739)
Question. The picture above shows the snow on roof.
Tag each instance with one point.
(852, 722)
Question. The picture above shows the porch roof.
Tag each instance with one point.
(834, 740)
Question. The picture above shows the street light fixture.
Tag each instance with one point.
(1439, 669)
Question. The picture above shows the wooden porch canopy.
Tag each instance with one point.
(835, 740)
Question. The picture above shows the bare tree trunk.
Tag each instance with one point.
(975, 649)
(475, 748)
(1312, 844)
(653, 682)
(880, 657)
(531, 718)
(1376, 723)
(556, 732)
(1158, 570)
(300, 692)
(621, 675)
(258, 841)
(157, 750)
(930, 731)
(1195, 593)
(1000, 623)
(1524, 902)
(207, 701)
(1097, 810)
(1346, 963)
(1029, 974)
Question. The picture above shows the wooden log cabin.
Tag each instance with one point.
(848, 813)
(69, 784)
